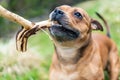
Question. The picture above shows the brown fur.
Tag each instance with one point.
(86, 57)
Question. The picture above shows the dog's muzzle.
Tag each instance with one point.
(56, 14)
(60, 29)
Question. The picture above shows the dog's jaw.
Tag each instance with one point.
(60, 33)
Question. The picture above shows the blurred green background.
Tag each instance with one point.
(34, 64)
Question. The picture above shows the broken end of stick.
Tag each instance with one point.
(23, 35)
(21, 40)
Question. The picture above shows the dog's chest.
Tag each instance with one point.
(88, 72)
(64, 74)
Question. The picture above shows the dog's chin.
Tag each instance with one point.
(63, 32)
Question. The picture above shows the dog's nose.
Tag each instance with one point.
(56, 14)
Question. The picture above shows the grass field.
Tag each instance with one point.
(35, 63)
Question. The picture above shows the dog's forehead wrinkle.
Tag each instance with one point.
(78, 9)
(65, 7)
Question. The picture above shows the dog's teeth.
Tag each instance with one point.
(52, 23)
(60, 25)
(56, 23)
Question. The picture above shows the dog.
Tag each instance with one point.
(79, 53)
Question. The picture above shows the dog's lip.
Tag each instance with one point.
(56, 23)
(63, 25)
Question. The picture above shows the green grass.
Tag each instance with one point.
(40, 47)
(42, 42)
(35, 64)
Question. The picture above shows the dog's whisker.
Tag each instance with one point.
(47, 34)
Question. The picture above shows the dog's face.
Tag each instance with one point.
(71, 26)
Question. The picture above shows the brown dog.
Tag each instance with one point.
(79, 54)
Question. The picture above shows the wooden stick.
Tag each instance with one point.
(29, 28)
(15, 18)
(20, 20)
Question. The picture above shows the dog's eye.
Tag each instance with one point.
(78, 15)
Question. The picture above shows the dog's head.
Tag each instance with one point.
(71, 25)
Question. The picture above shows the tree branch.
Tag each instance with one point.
(29, 28)
(20, 20)
(15, 18)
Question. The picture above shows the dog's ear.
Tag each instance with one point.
(96, 25)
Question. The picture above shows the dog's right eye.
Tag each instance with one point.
(78, 15)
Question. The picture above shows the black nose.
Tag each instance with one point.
(57, 14)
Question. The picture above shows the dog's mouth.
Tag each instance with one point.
(62, 31)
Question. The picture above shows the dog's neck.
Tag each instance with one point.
(71, 55)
